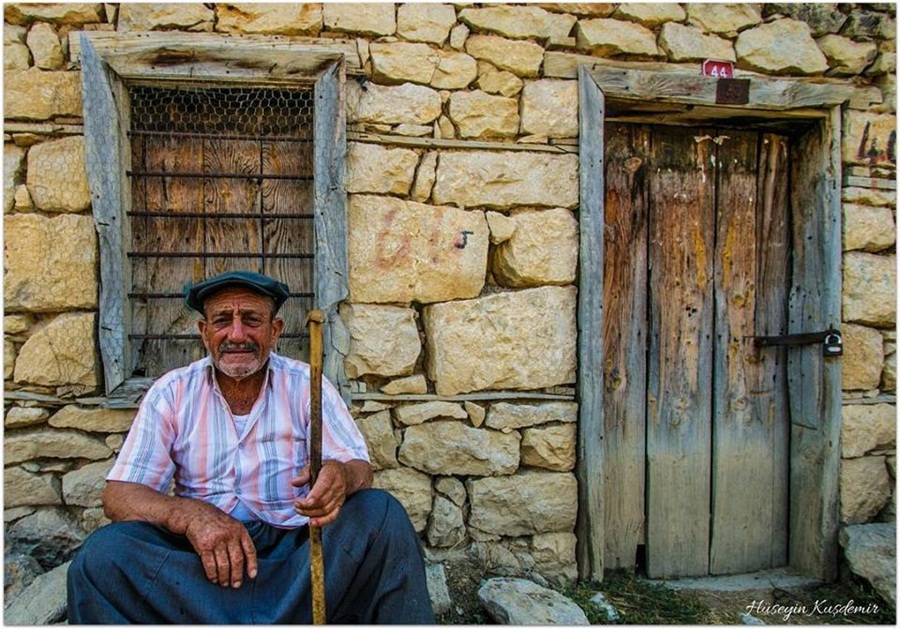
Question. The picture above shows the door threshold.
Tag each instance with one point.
(776, 578)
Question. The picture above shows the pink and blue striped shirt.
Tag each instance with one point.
(185, 431)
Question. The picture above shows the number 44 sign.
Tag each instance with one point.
(718, 69)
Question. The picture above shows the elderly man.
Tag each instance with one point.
(231, 545)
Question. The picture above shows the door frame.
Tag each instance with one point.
(672, 94)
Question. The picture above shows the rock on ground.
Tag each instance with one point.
(871, 553)
(511, 601)
(42, 603)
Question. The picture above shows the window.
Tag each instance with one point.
(221, 179)
(200, 157)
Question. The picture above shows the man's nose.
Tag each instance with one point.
(237, 332)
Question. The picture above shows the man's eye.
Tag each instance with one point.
(253, 321)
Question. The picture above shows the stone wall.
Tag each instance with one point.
(463, 190)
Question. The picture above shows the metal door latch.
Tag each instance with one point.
(832, 343)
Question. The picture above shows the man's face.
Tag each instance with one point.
(239, 331)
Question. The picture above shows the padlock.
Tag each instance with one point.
(832, 344)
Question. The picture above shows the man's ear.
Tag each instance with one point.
(277, 328)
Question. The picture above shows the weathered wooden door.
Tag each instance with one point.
(696, 263)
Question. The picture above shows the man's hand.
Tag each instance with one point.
(336, 481)
(224, 546)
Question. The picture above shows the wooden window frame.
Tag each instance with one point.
(673, 95)
(108, 62)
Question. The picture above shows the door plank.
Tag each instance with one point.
(680, 369)
(746, 486)
(624, 340)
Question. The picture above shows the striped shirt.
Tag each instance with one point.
(185, 431)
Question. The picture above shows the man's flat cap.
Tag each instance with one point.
(262, 284)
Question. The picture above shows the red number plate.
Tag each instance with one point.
(718, 69)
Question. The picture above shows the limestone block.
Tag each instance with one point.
(451, 447)
(520, 22)
(446, 526)
(866, 138)
(16, 56)
(22, 199)
(43, 602)
(50, 535)
(93, 419)
(502, 341)
(92, 519)
(45, 47)
(582, 9)
(114, 442)
(480, 115)
(455, 71)
(84, 487)
(38, 95)
(412, 489)
(414, 414)
(62, 353)
(542, 250)
(505, 179)
(783, 46)
(412, 130)
(61, 13)
(550, 107)
(269, 18)
(414, 384)
(554, 555)
(476, 413)
(9, 359)
(16, 324)
(382, 104)
(605, 37)
(889, 373)
(399, 62)
(868, 196)
(870, 289)
(689, 43)
(192, 16)
(866, 427)
(549, 447)
(507, 416)
(380, 169)
(845, 56)
(445, 129)
(500, 82)
(867, 228)
(726, 19)
(384, 340)
(452, 489)
(526, 503)
(52, 444)
(375, 18)
(865, 488)
(13, 169)
(50, 263)
(885, 63)
(866, 25)
(403, 251)
(650, 14)
(22, 488)
(378, 432)
(425, 174)
(502, 227)
(522, 58)
(458, 36)
(13, 34)
(863, 357)
(57, 177)
(426, 22)
(22, 416)
(514, 601)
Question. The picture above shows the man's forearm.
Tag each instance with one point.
(133, 501)
(358, 475)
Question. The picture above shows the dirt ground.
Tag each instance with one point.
(639, 601)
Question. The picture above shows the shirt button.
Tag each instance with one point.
(238, 491)
(240, 446)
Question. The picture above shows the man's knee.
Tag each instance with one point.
(377, 506)
(103, 550)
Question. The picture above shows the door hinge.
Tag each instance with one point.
(832, 343)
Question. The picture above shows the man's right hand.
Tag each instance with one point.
(223, 544)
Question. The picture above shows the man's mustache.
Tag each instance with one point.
(241, 347)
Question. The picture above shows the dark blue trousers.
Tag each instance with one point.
(134, 572)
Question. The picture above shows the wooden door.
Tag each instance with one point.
(696, 417)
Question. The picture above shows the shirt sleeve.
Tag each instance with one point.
(145, 456)
(341, 438)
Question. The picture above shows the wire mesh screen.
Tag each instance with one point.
(221, 179)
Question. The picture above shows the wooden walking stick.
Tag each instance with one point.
(314, 320)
